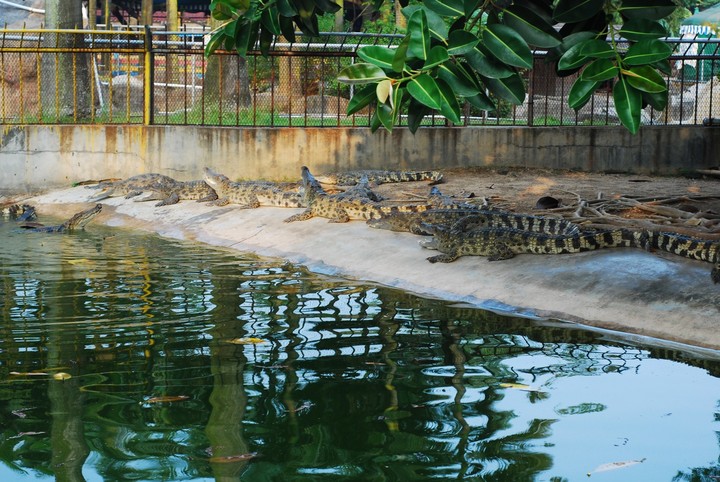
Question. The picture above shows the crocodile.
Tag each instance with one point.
(134, 186)
(198, 191)
(350, 178)
(687, 247)
(342, 207)
(484, 218)
(20, 212)
(78, 221)
(251, 194)
(504, 243)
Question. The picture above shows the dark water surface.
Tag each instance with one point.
(131, 357)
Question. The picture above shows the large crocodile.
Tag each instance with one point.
(251, 194)
(78, 221)
(351, 178)
(198, 191)
(134, 186)
(342, 207)
(449, 215)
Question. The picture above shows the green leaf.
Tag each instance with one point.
(573, 58)
(398, 61)
(419, 45)
(327, 6)
(362, 98)
(266, 40)
(385, 114)
(598, 49)
(531, 26)
(482, 102)
(459, 79)
(222, 11)
(375, 122)
(416, 113)
(287, 27)
(511, 89)
(461, 42)
(657, 100)
(286, 8)
(638, 29)
(437, 26)
(581, 92)
(647, 9)
(646, 79)
(599, 70)
(449, 106)
(424, 89)
(377, 55)
(243, 33)
(647, 52)
(361, 73)
(569, 11)
(508, 46)
(446, 8)
(270, 20)
(215, 42)
(628, 104)
(571, 40)
(437, 55)
(486, 66)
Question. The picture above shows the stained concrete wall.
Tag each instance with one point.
(34, 158)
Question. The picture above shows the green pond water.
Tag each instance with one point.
(130, 357)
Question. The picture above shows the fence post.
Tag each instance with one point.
(149, 76)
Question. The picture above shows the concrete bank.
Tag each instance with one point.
(37, 157)
(654, 295)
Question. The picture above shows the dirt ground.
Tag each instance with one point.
(689, 205)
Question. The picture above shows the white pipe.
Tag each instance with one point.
(23, 7)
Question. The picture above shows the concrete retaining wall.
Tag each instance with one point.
(36, 158)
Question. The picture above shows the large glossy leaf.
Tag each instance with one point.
(570, 41)
(362, 98)
(419, 45)
(531, 26)
(481, 101)
(461, 42)
(270, 20)
(327, 6)
(658, 100)
(398, 61)
(424, 89)
(266, 40)
(286, 8)
(511, 89)
(576, 10)
(507, 45)
(446, 8)
(436, 25)
(449, 106)
(646, 79)
(573, 58)
(647, 9)
(581, 92)
(377, 55)
(416, 113)
(459, 79)
(598, 49)
(361, 73)
(287, 27)
(599, 70)
(628, 103)
(385, 115)
(437, 55)
(638, 29)
(486, 66)
(647, 52)
(216, 40)
(243, 34)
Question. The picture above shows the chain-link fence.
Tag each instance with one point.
(84, 76)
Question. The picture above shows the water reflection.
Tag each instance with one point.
(192, 364)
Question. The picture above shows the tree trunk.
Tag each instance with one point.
(65, 81)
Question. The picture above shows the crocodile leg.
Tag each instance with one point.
(443, 258)
(307, 214)
(171, 199)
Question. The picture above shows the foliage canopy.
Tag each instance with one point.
(477, 50)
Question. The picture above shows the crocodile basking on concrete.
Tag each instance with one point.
(343, 207)
(198, 191)
(251, 194)
(351, 178)
(134, 186)
(78, 221)
(481, 218)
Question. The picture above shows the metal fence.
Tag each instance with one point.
(152, 77)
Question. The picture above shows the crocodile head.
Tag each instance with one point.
(214, 179)
(82, 218)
